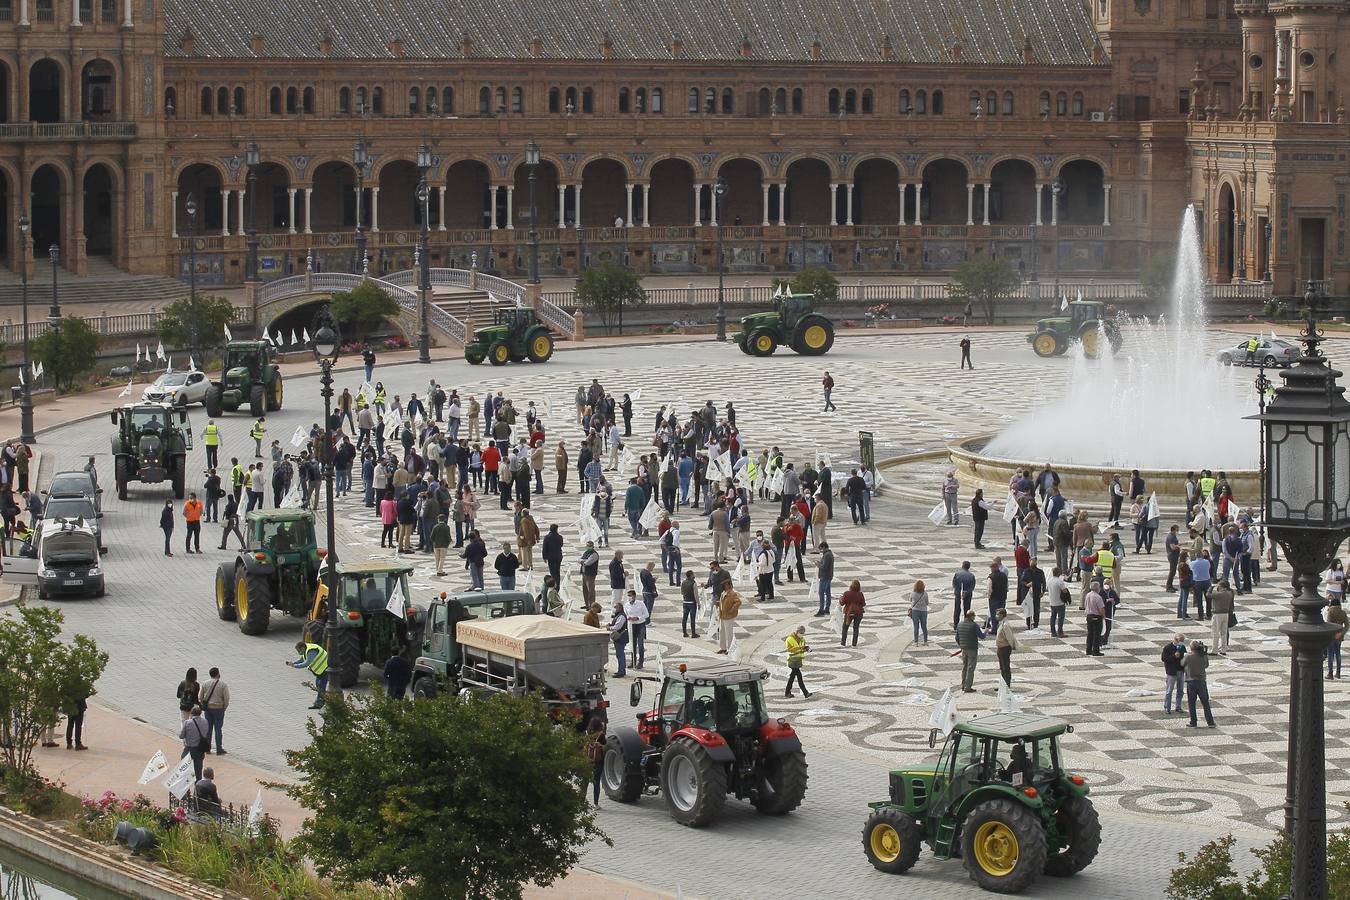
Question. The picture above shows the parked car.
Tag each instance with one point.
(64, 560)
(73, 509)
(76, 483)
(1270, 352)
(180, 388)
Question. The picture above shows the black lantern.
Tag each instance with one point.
(325, 343)
(190, 207)
(26, 400)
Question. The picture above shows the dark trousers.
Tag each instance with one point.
(1198, 688)
(198, 757)
(211, 510)
(965, 360)
(555, 569)
(689, 619)
(1094, 634)
(597, 773)
(1005, 664)
(168, 535)
(795, 675)
(855, 508)
(668, 499)
(216, 719)
(562, 481)
(387, 536)
(75, 729)
(1245, 565)
(1035, 618)
(1115, 508)
(231, 527)
(959, 609)
(193, 540)
(855, 621)
(765, 589)
(211, 454)
(1057, 621)
(1172, 560)
(979, 532)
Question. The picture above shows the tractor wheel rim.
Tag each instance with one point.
(278, 391)
(814, 337)
(614, 766)
(885, 843)
(1045, 343)
(996, 848)
(502, 354)
(220, 594)
(1090, 342)
(241, 598)
(682, 781)
(763, 343)
(540, 346)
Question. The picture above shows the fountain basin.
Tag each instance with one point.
(1086, 486)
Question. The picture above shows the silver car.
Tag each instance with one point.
(74, 509)
(75, 483)
(180, 388)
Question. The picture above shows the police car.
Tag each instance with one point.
(1270, 352)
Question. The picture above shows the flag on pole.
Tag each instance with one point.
(228, 335)
(299, 437)
(255, 811)
(305, 336)
(1063, 302)
(1153, 511)
(938, 513)
(1010, 507)
(943, 717)
(138, 353)
(35, 371)
(651, 516)
(168, 367)
(42, 369)
(179, 781)
(156, 767)
(22, 380)
(159, 351)
(397, 602)
(1007, 702)
(294, 339)
(126, 391)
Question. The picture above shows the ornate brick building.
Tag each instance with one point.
(1061, 135)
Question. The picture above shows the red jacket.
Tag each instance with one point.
(793, 532)
(853, 602)
(491, 457)
(1023, 557)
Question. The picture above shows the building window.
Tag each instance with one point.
(361, 106)
(1077, 103)
(656, 100)
(834, 100)
(553, 104)
(991, 104)
(710, 100)
(640, 100)
(223, 101)
(850, 101)
(974, 103)
(108, 12)
(623, 100)
(206, 101)
(1061, 104)
(921, 102)
(6, 10)
(868, 103)
(905, 107)
(414, 101)
(587, 101)
(344, 100)
(1045, 103)
(484, 101)
(517, 100)
(765, 102)
(937, 103)
(1007, 103)
(448, 100)
(170, 101)
(87, 11)
(274, 101)
(798, 100)
(726, 100)
(308, 101)
(46, 12)
(292, 101)
(501, 100)
(431, 101)
(377, 100)
(571, 100)
(693, 100)
(780, 101)
(238, 109)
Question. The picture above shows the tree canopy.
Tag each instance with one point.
(447, 797)
(818, 282)
(212, 315)
(607, 289)
(67, 352)
(983, 284)
(362, 309)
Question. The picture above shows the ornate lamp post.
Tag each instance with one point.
(326, 344)
(1269, 230)
(54, 314)
(720, 191)
(424, 163)
(26, 400)
(253, 159)
(532, 161)
(1057, 189)
(801, 229)
(1242, 250)
(359, 160)
(191, 208)
(1306, 438)
(581, 246)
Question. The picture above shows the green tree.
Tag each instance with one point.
(818, 282)
(607, 289)
(362, 309)
(213, 314)
(41, 677)
(983, 283)
(1209, 874)
(1158, 275)
(449, 797)
(67, 352)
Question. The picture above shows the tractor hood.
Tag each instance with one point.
(763, 318)
(237, 376)
(1054, 322)
(151, 447)
(492, 333)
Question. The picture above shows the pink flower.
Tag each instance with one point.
(126, 805)
(109, 795)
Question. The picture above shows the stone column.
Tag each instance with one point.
(510, 213)
(698, 205)
(712, 199)
(440, 205)
(834, 193)
(562, 206)
(23, 12)
(492, 207)
(646, 206)
(901, 217)
(628, 200)
(578, 193)
(1040, 194)
(224, 212)
(987, 185)
(290, 192)
(126, 14)
(782, 204)
(309, 192)
(765, 223)
(173, 213)
(75, 14)
(375, 209)
(1054, 208)
(1106, 205)
(848, 203)
(970, 204)
(918, 203)
(239, 211)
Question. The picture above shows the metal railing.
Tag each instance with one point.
(108, 326)
(500, 288)
(407, 299)
(66, 131)
(556, 317)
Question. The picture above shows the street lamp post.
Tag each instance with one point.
(253, 159)
(581, 247)
(359, 161)
(54, 314)
(1306, 439)
(801, 229)
(1242, 250)
(1269, 230)
(326, 344)
(1057, 189)
(719, 191)
(532, 161)
(424, 163)
(191, 208)
(26, 401)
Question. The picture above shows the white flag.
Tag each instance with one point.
(365, 390)
(741, 574)
(126, 391)
(42, 370)
(305, 336)
(138, 354)
(192, 363)
(179, 781)
(1010, 507)
(159, 350)
(299, 437)
(1006, 701)
(944, 713)
(938, 513)
(1063, 303)
(35, 371)
(292, 501)
(651, 516)
(1153, 512)
(156, 767)
(294, 339)
(548, 409)
(255, 811)
(22, 379)
(228, 335)
(776, 481)
(168, 366)
(397, 602)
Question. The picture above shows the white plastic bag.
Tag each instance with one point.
(938, 514)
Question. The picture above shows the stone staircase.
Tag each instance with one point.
(474, 308)
(106, 286)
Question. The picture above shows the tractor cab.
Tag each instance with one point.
(283, 536)
(793, 307)
(514, 317)
(250, 378)
(247, 358)
(1084, 311)
(725, 698)
(360, 627)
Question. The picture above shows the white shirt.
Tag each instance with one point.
(1054, 585)
(637, 612)
(455, 412)
(257, 480)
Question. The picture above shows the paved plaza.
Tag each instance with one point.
(1160, 787)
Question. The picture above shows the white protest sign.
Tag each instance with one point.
(156, 767)
(397, 602)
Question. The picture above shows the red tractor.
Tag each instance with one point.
(708, 736)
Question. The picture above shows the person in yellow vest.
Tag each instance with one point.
(258, 432)
(314, 658)
(1252, 344)
(379, 397)
(211, 437)
(236, 477)
(1107, 564)
(1207, 484)
(796, 653)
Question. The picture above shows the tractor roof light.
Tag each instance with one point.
(322, 552)
(411, 612)
(354, 616)
(260, 556)
(1031, 792)
(1078, 780)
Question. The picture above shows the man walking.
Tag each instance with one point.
(1220, 607)
(258, 432)
(1095, 608)
(195, 734)
(827, 385)
(590, 567)
(965, 354)
(968, 639)
(551, 550)
(1005, 642)
(211, 437)
(824, 578)
(231, 523)
(192, 518)
(728, 608)
(215, 700)
(1173, 652)
(638, 615)
(963, 591)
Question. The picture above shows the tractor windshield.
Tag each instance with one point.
(245, 359)
(287, 537)
(740, 707)
(1022, 762)
(369, 592)
(149, 419)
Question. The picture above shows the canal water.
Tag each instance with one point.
(24, 878)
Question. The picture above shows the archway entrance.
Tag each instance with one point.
(98, 212)
(602, 193)
(876, 193)
(808, 192)
(46, 213)
(1012, 193)
(97, 96)
(944, 193)
(202, 183)
(545, 195)
(333, 200)
(466, 195)
(4, 93)
(1227, 229)
(44, 91)
(398, 196)
(272, 198)
(742, 204)
(1082, 201)
(671, 194)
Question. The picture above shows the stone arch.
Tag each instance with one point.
(333, 201)
(48, 79)
(671, 182)
(177, 174)
(271, 202)
(603, 178)
(851, 171)
(744, 176)
(547, 177)
(1225, 246)
(100, 210)
(808, 179)
(99, 96)
(377, 167)
(283, 163)
(787, 161)
(48, 188)
(204, 181)
(1013, 191)
(1058, 170)
(628, 173)
(945, 198)
(311, 167)
(397, 179)
(1083, 199)
(467, 181)
(695, 166)
(876, 181)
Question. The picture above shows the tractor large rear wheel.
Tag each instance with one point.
(695, 787)
(225, 593)
(539, 346)
(782, 783)
(120, 469)
(622, 780)
(814, 336)
(1114, 337)
(274, 395)
(1077, 820)
(762, 342)
(179, 477)
(344, 655)
(891, 839)
(1088, 338)
(499, 354)
(213, 405)
(1003, 846)
(257, 402)
(253, 601)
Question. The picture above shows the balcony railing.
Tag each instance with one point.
(67, 131)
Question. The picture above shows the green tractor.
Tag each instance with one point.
(515, 335)
(998, 798)
(277, 570)
(1055, 335)
(151, 445)
(359, 627)
(792, 321)
(251, 378)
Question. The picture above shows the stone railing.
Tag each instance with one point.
(67, 131)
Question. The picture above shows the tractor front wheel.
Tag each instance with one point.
(1046, 343)
(814, 336)
(1076, 819)
(694, 785)
(499, 354)
(225, 593)
(274, 395)
(120, 470)
(539, 347)
(425, 688)
(179, 477)
(762, 342)
(257, 403)
(473, 356)
(1088, 338)
(344, 655)
(253, 601)
(891, 839)
(622, 781)
(1113, 337)
(213, 405)
(1003, 846)
(782, 783)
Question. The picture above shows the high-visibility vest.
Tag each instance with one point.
(379, 395)
(1207, 486)
(1251, 345)
(237, 475)
(319, 664)
(1107, 560)
(258, 430)
(212, 435)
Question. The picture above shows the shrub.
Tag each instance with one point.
(1209, 874)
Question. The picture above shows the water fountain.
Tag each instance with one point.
(1164, 406)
